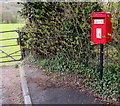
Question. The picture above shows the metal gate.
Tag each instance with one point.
(10, 49)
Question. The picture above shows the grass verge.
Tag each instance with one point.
(8, 27)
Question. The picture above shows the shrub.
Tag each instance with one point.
(60, 32)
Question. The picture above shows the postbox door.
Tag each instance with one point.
(98, 30)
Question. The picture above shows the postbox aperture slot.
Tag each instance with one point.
(98, 17)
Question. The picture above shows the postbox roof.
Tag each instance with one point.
(100, 14)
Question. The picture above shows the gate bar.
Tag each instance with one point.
(7, 54)
(14, 52)
(9, 45)
(9, 61)
(7, 39)
(9, 31)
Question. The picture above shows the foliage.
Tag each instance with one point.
(114, 9)
(60, 27)
(60, 32)
(16, 65)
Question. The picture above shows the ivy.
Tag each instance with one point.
(61, 33)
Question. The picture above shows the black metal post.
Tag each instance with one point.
(101, 61)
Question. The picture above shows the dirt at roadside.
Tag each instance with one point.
(11, 85)
(44, 80)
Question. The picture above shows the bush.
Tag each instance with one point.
(61, 33)
(60, 28)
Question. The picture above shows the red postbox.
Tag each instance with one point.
(101, 27)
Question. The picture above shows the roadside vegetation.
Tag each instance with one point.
(58, 37)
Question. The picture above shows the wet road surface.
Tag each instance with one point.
(60, 96)
(43, 91)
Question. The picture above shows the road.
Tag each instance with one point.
(55, 90)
